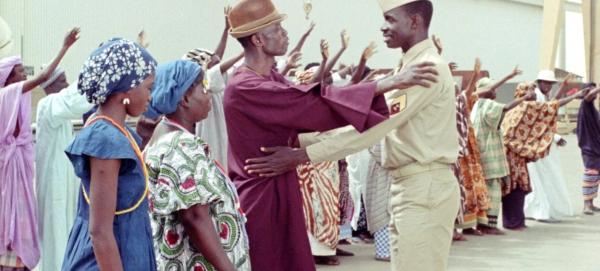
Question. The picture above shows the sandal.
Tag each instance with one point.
(490, 231)
(458, 237)
(475, 232)
(327, 260)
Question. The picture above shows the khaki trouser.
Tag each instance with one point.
(424, 203)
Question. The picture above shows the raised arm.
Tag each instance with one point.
(220, 50)
(438, 44)
(70, 39)
(227, 64)
(516, 102)
(473, 81)
(324, 56)
(362, 64)
(515, 72)
(562, 90)
(292, 62)
(298, 47)
(566, 100)
(336, 57)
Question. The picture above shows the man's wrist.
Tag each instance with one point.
(301, 156)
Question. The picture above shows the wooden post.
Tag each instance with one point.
(551, 26)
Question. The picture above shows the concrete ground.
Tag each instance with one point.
(571, 245)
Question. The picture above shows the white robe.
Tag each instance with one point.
(549, 198)
(57, 186)
(212, 129)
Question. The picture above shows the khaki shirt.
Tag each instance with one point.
(421, 128)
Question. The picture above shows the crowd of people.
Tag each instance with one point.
(254, 163)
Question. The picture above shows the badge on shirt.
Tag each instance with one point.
(398, 104)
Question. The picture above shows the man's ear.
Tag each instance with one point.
(256, 40)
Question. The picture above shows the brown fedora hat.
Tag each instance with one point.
(248, 17)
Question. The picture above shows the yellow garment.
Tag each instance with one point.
(424, 204)
(422, 127)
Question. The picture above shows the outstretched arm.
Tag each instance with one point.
(568, 99)
(70, 39)
(516, 102)
(220, 50)
(298, 47)
(510, 76)
(362, 64)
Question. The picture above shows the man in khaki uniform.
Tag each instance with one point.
(420, 142)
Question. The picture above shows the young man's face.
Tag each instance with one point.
(274, 40)
(397, 28)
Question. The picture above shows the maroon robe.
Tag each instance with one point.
(270, 111)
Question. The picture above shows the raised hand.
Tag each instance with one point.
(345, 39)
(569, 78)
(72, 37)
(324, 49)
(226, 10)
(438, 44)
(293, 60)
(141, 39)
(422, 74)
(311, 27)
(477, 68)
(453, 66)
(369, 51)
(516, 72)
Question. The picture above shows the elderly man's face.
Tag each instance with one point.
(274, 40)
(59, 84)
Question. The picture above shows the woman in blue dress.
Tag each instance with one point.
(112, 228)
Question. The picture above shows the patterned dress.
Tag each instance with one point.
(181, 176)
(319, 184)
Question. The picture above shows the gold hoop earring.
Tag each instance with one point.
(126, 101)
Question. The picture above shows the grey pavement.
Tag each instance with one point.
(571, 245)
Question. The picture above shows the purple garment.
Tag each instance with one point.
(267, 111)
(588, 134)
(18, 217)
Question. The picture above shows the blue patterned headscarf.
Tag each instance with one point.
(117, 65)
(171, 82)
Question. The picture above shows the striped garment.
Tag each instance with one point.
(319, 186)
(486, 118)
(10, 260)
(591, 179)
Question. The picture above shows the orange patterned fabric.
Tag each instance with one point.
(528, 133)
(474, 194)
(319, 185)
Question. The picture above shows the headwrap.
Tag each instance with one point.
(55, 74)
(117, 65)
(200, 56)
(523, 88)
(172, 81)
(6, 66)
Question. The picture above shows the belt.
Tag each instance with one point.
(416, 168)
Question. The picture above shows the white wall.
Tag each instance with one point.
(502, 32)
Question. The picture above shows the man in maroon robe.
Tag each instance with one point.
(263, 109)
